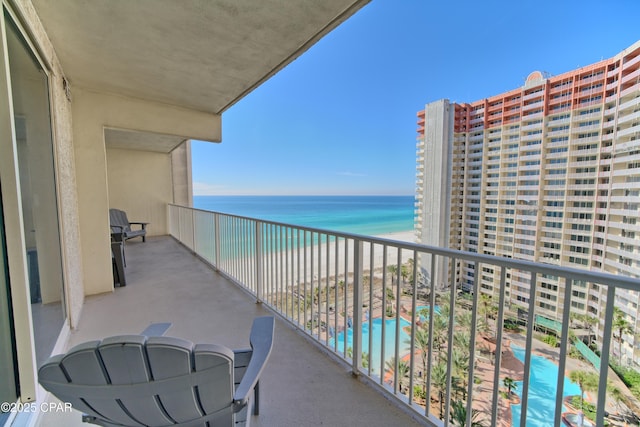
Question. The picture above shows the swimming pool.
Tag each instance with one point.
(424, 318)
(542, 391)
(542, 381)
(389, 340)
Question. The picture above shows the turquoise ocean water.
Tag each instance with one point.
(369, 215)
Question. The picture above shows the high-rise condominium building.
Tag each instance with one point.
(548, 172)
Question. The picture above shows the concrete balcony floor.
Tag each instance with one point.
(301, 386)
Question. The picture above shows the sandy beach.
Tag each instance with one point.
(404, 236)
(332, 259)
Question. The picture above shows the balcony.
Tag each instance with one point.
(631, 62)
(279, 265)
(323, 283)
(135, 100)
(629, 104)
(166, 282)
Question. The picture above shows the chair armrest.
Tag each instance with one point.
(156, 329)
(261, 340)
(141, 224)
(117, 236)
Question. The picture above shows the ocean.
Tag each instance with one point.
(368, 215)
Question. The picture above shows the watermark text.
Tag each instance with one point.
(35, 407)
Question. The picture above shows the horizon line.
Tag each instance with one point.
(303, 195)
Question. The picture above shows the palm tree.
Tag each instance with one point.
(459, 415)
(445, 305)
(421, 343)
(462, 339)
(487, 307)
(403, 371)
(587, 381)
(483, 326)
(390, 295)
(439, 380)
(393, 270)
(410, 269)
(464, 320)
(404, 273)
(622, 325)
(423, 313)
(460, 359)
(510, 384)
(440, 327)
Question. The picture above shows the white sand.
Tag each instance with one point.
(322, 263)
(404, 236)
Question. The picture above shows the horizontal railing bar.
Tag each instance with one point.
(566, 272)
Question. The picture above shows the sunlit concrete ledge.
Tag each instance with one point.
(301, 386)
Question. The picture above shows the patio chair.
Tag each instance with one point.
(121, 227)
(135, 380)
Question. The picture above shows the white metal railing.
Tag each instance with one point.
(384, 307)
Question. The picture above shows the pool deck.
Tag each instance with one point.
(510, 367)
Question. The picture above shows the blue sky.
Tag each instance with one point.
(341, 119)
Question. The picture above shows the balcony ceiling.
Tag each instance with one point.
(203, 55)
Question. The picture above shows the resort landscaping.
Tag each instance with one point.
(413, 364)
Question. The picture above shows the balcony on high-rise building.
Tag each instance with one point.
(99, 103)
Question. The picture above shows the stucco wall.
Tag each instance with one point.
(93, 112)
(181, 175)
(64, 164)
(140, 184)
(91, 170)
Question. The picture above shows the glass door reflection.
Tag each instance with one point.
(30, 93)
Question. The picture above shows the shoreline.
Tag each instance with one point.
(326, 257)
(403, 236)
(317, 261)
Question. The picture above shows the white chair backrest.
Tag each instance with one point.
(132, 380)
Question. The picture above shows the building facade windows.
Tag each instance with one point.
(572, 173)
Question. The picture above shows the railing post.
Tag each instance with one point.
(193, 231)
(564, 343)
(357, 306)
(259, 261)
(604, 357)
(180, 222)
(472, 342)
(498, 351)
(216, 237)
(453, 289)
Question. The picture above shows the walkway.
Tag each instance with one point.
(301, 386)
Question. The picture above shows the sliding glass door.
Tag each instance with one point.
(32, 300)
(8, 377)
(32, 121)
